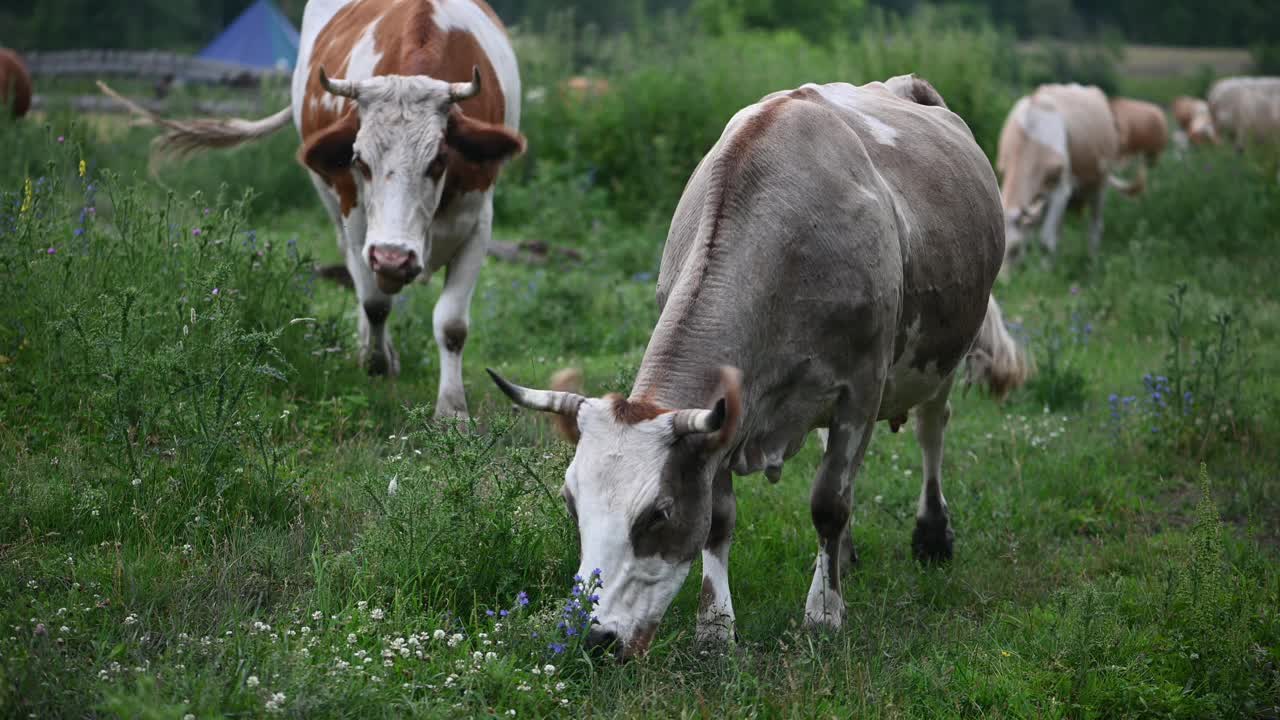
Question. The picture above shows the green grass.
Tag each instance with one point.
(190, 479)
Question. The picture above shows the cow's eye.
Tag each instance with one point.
(657, 515)
(437, 167)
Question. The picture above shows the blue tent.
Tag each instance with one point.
(262, 37)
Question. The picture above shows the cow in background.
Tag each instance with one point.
(1246, 110)
(1143, 134)
(15, 84)
(1058, 145)
(1195, 121)
(407, 111)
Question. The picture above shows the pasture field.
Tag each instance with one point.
(195, 519)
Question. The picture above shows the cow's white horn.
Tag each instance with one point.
(698, 421)
(343, 88)
(466, 90)
(561, 403)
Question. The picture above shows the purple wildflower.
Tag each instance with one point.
(195, 232)
(61, 139)
(503, 613)
(215, 292)
(52, 251)
(522, 598)
(490, 613)
(556, 648)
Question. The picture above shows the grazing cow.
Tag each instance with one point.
(1195, 120)
(1142, 133)
(15, 84)
(1247, 109)
(829, 265)
(404, 150)
(1058, 144)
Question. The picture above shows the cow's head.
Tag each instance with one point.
(1033, 163)
(390, 156)
(1196, 120)
(639, 489)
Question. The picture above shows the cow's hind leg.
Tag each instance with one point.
(933, 538)
(848, 553)
(1055, 211)
(715, 605)
(831, 504)
(452, 316)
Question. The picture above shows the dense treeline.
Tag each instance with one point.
(188, 24)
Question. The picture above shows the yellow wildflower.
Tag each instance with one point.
(82, 168)
(1005, 653)
(27, 194)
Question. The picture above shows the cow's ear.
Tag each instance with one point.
(481, 142)
(331, 150)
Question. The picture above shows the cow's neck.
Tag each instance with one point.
(681, 366)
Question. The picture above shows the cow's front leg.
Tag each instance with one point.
(715, 606)
(933, 538)
(452, 318)
(1056, 209)
(377, 354)
(1096, 223)
(831, 505)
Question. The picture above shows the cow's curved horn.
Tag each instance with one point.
(343, 88)
(685, 422)
(561, 403)
(466, 90)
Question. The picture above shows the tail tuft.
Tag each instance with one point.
(996, 360)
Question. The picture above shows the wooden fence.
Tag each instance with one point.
(145, 64)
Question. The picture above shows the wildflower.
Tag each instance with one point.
(52, 251)
(455, 639)
(186, 549)
(64, 629)
(351, 638)
(195, 232)
(41, 630)
(82, 167)
(130, 619)
(275, 702)
(1004, 653)
(137, 482)
(188, 716)
(438, 634)
(214, 292)
(560, 686)
(549, 669)
(490, 613)
(362, 605)
(61, 139)
(317, 615)
(252, 681)
(377, 614)
(490, 656)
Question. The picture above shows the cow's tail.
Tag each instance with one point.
(997, 361)
(187, 137)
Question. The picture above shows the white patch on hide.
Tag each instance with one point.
(467, 16)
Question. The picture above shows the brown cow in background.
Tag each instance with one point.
(1143, 134)
(1195, 120)
(15, 83)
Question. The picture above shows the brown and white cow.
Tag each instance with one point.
(1142, 132)
(1194, 120)
(407, 110)
(1246, 110)
(15, 84)
(1058, 144)
(829, 265)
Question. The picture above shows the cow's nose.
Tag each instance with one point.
(394, 265)
(600, 642)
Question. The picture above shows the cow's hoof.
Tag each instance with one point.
(382, 364)
(452, 407)
(933, 540)
(716, 633)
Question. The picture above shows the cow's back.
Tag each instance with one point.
(15, 84)
(829, 218)
(1141, 127)
(1092, 141)
(1247, 107)
(358, 39)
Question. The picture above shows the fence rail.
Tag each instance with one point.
(141, 64)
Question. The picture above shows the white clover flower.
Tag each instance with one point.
(274, 704)
(560, 686)
(317, 616)
(64, 629)
(130, 619)
(137, 482)
(438, 634)
(549, 670)
(188, 716)
(351, 638)
(536, 671)
(455, 639)
(388, 663)
(477, 656)
(187, 549)
(252, 681)
(362, 605)
(511, 712)
(377, 614)
(490, 656)
(305, 629)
